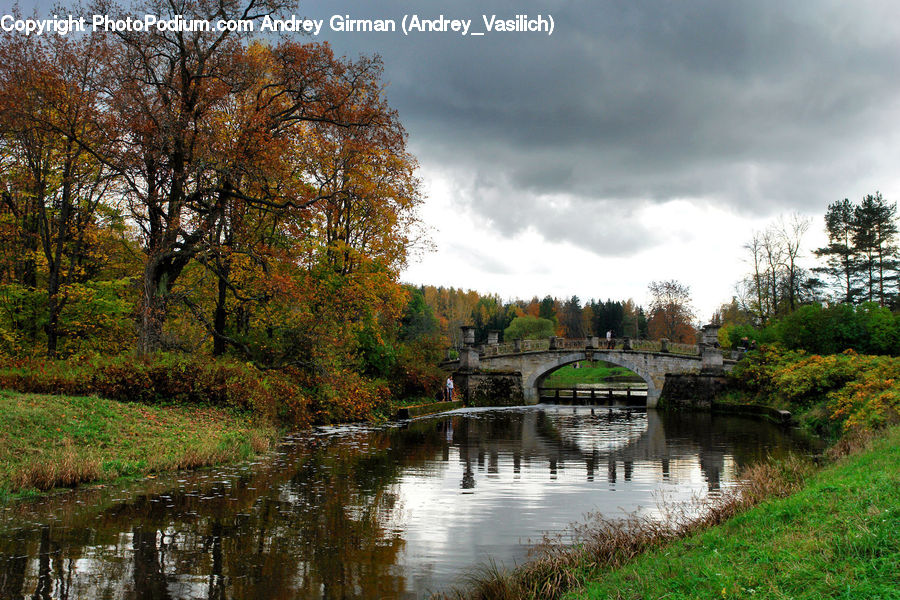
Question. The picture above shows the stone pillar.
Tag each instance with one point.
(468, 359)
(711, 359)
(664, 345)
(493, 337)
(626, 343)
(709, 334)
(592, 341)
(517, 345)
(468, 335)
(554, 342)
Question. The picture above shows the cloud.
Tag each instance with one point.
(757, 105)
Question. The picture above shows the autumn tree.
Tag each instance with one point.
(790, 235)
(181, 168)
(570, 317)
(634, 321)
(777, 283)
(671, 314)
(51, 185)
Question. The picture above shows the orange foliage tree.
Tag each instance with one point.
(671, 314)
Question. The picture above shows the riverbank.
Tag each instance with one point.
(791, 533)
(835, 538)
(50, 441)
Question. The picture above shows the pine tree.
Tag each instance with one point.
(840, 253)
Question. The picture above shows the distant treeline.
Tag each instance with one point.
(542, 317)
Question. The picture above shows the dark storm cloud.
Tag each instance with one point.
(763, 106)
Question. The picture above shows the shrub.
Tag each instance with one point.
(529, 328)
(834, 393)
(166, 378)
(807, 380)
(348, 396)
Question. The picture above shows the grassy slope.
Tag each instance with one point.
(837, 538)
(568, 376)
(50, 441)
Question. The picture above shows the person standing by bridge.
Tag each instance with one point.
(609, 339)
(448, 389)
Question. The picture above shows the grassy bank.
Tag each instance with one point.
(568, 376)
(787, 533)
(835, 538)
(49, 441)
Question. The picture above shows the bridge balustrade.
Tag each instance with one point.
(582, 344)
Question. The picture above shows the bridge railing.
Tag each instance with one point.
(582, 344)
(656, 346)
(523, 346)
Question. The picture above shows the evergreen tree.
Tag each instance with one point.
(547, 310)
(842, 260)
(571, 318)
(875, 236)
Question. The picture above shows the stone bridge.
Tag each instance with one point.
(534, 360)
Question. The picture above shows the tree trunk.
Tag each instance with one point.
(220, 316)
(153, 312)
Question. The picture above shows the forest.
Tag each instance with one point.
(205, 203)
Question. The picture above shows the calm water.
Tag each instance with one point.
(357, 512)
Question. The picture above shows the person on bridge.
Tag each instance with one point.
(448, 389)
(609, 339)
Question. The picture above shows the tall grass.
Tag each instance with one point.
(49, 441)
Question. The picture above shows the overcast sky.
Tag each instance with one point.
(642, 140)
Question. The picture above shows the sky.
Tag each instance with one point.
(638, 141)
(641, 140)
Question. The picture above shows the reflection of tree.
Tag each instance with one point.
(149, 578)
(320, 520)
(12, 576)
(213, 544)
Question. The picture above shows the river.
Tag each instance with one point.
(395, 511)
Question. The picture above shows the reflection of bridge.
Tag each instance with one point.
(622, 439)
(534, 360)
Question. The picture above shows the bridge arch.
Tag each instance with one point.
(532, 364)
(532, 380)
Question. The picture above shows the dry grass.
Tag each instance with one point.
(59, 441)
(567, 561)
(63, 467)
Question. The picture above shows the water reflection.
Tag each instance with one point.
(354, 512)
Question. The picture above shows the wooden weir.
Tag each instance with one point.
(591, 396)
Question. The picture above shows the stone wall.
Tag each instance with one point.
(691, 390)
(487, 388)
(699, 391)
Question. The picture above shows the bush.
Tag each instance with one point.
(529, 328)
(868, 329)
(834, 393)
(809, 379)
(165, 378)
(348, 396)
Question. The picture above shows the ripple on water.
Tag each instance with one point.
(364, 511)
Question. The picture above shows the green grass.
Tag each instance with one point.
(49, 441)
(838, 537)
(568, 376)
